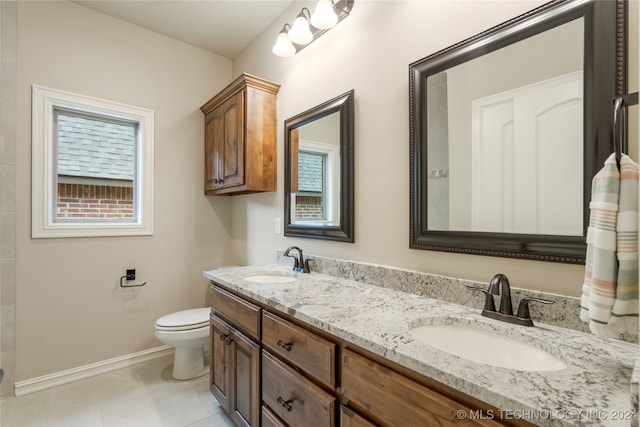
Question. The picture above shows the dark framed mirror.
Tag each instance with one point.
(508, 128)
(318, 171)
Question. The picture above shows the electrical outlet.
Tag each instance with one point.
(131, 274)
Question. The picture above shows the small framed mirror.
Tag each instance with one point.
(318, 178)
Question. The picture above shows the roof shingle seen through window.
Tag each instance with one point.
(310, 172)
(92, 148)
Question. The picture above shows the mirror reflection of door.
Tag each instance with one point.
(505, 138)
(315, 165)
(534, 186)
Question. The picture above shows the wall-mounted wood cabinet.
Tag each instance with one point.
(240, 138)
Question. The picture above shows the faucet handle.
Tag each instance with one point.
(523, 307)
(489, 304)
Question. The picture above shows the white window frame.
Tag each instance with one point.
(332, 182)
(44, 166)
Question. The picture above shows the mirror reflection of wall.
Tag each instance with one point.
(495, 123)
(315, 180)
(438, 149)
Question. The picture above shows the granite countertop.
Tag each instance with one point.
(593, 390)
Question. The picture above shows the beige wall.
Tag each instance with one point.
(8, 121)
(70, 308)
(370, 51)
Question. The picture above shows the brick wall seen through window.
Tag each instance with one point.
(85, 201)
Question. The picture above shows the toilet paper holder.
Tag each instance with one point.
(131, 275)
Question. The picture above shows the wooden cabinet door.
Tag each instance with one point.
(245, 405)
(235, 373)
(224, 144)
(219, 367)
(213, 137)
(232, 154)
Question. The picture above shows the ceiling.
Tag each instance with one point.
(223, 27)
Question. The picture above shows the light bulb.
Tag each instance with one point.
(300, 32)
(324, 17)
(283, 46)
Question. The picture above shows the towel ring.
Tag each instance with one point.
(620, 104)
(619, 128)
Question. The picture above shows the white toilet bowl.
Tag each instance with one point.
(188, 332)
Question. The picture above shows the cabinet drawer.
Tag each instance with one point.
(296, 400)
(348, 418)
(269, 419)
(395, 400)
(302, 348)
(242, 314)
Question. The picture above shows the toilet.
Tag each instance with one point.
(188, 332)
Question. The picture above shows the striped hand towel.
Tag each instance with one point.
(609, 300)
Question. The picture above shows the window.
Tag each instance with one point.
(316, 199)
(92, 166)
(310, 198)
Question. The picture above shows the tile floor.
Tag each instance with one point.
(143, 395)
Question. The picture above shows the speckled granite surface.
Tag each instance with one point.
(591, 391)
(635, 389)
(564, 313)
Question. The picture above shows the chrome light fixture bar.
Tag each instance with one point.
(308, 27)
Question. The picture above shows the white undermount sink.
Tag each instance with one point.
(270, 278)
(487, 347)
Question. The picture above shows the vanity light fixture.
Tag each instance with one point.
(283, 46)
(308, 27)
(300, 32)
(324, 17)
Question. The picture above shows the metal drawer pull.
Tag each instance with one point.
(286, 403)
(286, 345)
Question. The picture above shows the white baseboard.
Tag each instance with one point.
(69, 375)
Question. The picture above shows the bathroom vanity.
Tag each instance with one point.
(294, 349)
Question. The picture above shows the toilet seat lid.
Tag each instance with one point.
(186, 319)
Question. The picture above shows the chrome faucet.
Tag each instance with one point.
(300, 264)
(499, 285)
